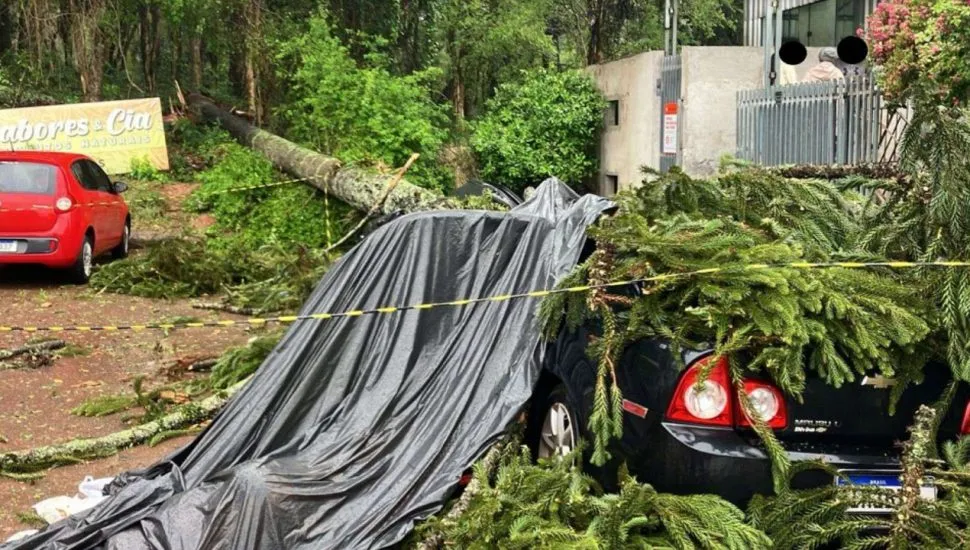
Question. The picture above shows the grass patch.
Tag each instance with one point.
(145, 202)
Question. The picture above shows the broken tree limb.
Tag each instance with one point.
(490, 463)
(72, 452)
(49, 345)
(358, 187)
(377, 205)
(228, 308)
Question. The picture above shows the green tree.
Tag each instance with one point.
(485, 42)
(546, 124)
(360, 112)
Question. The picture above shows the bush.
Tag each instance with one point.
(923, 47)
(290, 214)
(544, 125)
(142, 170)
(361, 113)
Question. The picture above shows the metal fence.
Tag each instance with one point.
(669, 89)
(835, 122)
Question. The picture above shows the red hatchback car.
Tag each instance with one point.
(60, 210)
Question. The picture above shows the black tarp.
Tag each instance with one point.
(355, 428)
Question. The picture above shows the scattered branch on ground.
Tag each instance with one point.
(30, 356)
(72, 452)
(104, 405)
(239, 363)
(228, 308)
(30, 349)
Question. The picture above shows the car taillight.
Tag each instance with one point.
(767, 402)
(713, 402)
(965, 425)
(64, 204)
(705, 403)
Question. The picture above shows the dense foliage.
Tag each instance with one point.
(546, 124)
(266, 250)
(555, 505)
(360, 111)
(921, 47)
(813, 518)
(789, 322)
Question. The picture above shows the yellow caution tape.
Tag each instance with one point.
(285, 319)
(261, 186)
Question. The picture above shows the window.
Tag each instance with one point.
(612, 185)
(27, 177)
(823, 23)
(83, 177)
(99, 177)
(613, 112)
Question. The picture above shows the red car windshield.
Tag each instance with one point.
(27, 177)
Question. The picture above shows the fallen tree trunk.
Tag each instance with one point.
(358, 187)
(17, 463)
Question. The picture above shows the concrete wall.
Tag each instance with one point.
(707, 124)
(635, 142)
(711, 79)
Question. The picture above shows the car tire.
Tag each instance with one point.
(554, 426)
(80, 272)
(121, 251)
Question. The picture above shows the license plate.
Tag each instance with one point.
(8, 246)
(884, 480)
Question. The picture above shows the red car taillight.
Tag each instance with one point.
(64, 204)
(767, 402)
(708, 403)
(965, 425)
(713, 403)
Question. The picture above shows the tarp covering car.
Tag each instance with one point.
(355, 428)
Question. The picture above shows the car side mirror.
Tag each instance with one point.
(119, 187)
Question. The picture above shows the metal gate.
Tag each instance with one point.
(835, 122)
(669, 90)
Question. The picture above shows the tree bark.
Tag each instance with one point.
(253, 24)
(33, 460)
(196, 46)
(149, 17)
(6, 27)
(357, 187)
(87, 45)
(594, 53)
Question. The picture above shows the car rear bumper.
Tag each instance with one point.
(36, 250)
(693, 459)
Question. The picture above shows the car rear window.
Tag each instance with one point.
(27, 177)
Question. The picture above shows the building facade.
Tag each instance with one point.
(814, 23)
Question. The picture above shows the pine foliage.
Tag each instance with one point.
(927, 217)
(791, 323)
(554, 505)
(815, 518)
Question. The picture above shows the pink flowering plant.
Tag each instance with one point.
(923, 49)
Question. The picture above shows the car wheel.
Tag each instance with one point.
(84, 265)
(121, 251)
(558, 429)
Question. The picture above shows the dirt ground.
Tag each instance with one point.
(35, 403)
